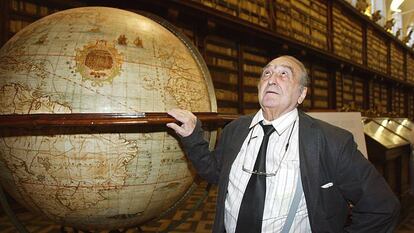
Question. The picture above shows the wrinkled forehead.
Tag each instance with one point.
(286, 62)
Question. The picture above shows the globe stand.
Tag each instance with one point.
(50, 124)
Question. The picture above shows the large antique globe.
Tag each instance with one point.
(98, 60)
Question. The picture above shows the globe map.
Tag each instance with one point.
(98, 60)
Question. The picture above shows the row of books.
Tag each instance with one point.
(307, 21)
(221, 56)
(30, 8)
(347, 36)
(254, 59)
(398, 101)
(320, 86)
(410, 106)
(397, 62)
(378, 97)
(20, 14)
(253, 11)
(410, 68)
(377, 52)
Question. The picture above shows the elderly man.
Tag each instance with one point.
(283, 171)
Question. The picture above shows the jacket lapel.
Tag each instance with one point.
(309, 150)
(238, 138)
(233, 147)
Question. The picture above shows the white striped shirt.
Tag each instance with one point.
(280, 188)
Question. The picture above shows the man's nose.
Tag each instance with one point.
(274, 79)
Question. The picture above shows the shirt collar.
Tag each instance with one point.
(280, 124)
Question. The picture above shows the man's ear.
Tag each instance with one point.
(302, 94)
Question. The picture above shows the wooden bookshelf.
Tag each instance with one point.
(22, 13)
(398, 101)
(252, 11)
(348, 95)
(374, 97)
(339, 86)
(17, 14)
(410, 105)
(320, 81)
(377, 52)
(356, 53)
(349, 91)
(410, 67)
(359, 93)
(347, 35)
(253, 59)
(4, 22)
(188, 32)
(303, 20)
(397, 62)
(384, 99)
(222, 58)
(378, 96)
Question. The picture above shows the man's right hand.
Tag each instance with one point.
(188, 120)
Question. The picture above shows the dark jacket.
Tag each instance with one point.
(327, 154)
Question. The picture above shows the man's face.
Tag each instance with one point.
(279, 86)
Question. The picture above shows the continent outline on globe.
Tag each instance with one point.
(97, 179)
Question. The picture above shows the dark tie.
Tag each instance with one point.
(252, 205)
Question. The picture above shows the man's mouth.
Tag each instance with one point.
(272, 92)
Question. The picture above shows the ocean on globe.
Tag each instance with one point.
(98, 60)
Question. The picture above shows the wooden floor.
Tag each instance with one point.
(199, 221)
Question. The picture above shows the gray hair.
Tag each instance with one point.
(304, 78)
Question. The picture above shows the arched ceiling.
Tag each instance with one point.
(407, 12)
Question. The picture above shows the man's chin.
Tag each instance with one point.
(270, 102)
(270, 105)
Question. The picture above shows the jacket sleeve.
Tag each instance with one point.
(207, 163)
(375, 207)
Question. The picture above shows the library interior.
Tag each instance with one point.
(86, 87)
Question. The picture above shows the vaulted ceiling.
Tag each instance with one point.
(407, 12)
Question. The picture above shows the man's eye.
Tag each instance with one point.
(284, 74)
(266, 73)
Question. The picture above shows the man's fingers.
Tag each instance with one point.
(187, 118)
(177, 114)
(179, 130)
(174, 126)
(181, 115)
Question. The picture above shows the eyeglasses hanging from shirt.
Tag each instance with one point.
(264, 173)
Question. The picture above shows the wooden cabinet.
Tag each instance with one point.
(378, 96)
(320, 88)
(350, 59)
(350, 91)
(303, 20)
(252, 11)
(222, 58)
(398, 101)
(377, 51)
(397, 61)
(410, 67)
(410, 105)
(347, 35)
(253, 59)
